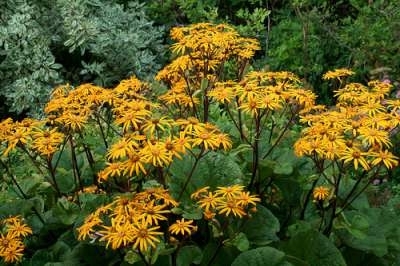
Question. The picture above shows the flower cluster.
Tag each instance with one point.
(11, 238)
(356, 131)
(150, 139)
(30, 135)
(226, 201)
(134, 221)
(145, 137)
(261, 92)
(202, 50)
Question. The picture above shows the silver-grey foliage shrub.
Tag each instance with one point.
(45, 43)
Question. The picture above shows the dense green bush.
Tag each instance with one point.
(43, 43)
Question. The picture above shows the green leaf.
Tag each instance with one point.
(263, 256)
(355, 223)
(285, 168)
(220, 255)
(241, 242)
(132, 257)
(262, 227)
(65, 212)
(312, 248)
(65, 180)
(214, 169)
(188, 255)
(380, 237)
(192, 213)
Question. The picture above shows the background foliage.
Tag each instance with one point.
(44, 43)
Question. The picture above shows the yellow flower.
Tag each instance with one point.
(182, 227)
(17, 228)
(189, 125)
(46, 142)
(209, 201)
(355, 156)
(252, 105)
(145, 236)
(182, 142)
(384, 157)
(134, 164)
(19, 137)
(223, 91)
(156, 154)
(338, 73)
(231, 206)
(224, 141)
(121, 149)
(86, 229)
(118, 234)
(112, 170)
(151, 213)
(208, 139)
(244, 199)
(199, 193)
(373, 136)
(320, 193)
(72, 121)
(155, 124)
(230, 191)
(11, 249)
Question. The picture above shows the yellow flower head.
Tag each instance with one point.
(320, 193)
(338, 73)
(182, 227)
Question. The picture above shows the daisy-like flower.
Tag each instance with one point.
(223, 92)
(156, 154)
(252, 105)
(19, 137)
(118, 234)
(374, 136)
(208, 139)
(152, 213)
(209, 201)
(11, 249)
(199, 193)
(114, 169)
(338, 73)
(182, 227)
(87, 229)
(190, 124)
(74, 122)
(230, 191)
(134, 164)
(17, 228)
(121, 149)
(356, 157)
(46, 142)
(154, 124)
(244, 199)
(231, 206)
(384, 157)
(320, 193)
(145, 236)
(224, 141)
(182, 142)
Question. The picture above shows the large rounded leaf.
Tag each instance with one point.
(312, 248)
(264, 256)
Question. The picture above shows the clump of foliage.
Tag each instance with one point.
(83, 44)
(311, 37)
(218, 165)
